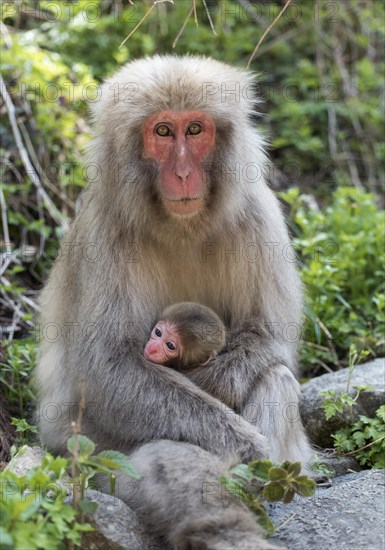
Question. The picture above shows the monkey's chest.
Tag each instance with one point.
(223, 285)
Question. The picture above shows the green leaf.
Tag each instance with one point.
(359, 439)
(94, 464)
(274, 491)
(380, 413)
(85, 446)
(276, 473)
(294, 468)
(260, 469)
(88, 507)
(363, 388)
(242, 471)
(379, 461)
(23, 426)
(306, 486)
(118, 461)
(263, 518)
(6, 538)
(331, 408)
(233, 486)
(323, 469)
(288, 496)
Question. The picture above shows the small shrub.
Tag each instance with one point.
(365, 439)
(17, 361)
(32, 509)
(342, 255)
(263, 480)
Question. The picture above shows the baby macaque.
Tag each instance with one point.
(186, 335)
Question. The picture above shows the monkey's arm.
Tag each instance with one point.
(249, 352)
(139, 401)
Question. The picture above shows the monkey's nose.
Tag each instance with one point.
(152, 348)
(183, 164)
(183, 173)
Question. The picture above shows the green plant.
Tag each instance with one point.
(32, 508)
(336, 401)
(18, 359)
(24, 431)
(263, 480)
(343, 269)
(322, 469)
(85, 464)
(365, 439)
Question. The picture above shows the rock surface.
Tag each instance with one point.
(348, 516)
(117, 527)
(25, 459)
(318, 428)
(340, 465)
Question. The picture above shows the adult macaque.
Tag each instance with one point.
(177, 210)
(186, 335)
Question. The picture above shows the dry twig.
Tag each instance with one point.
(51, 207)
(182, 27)
(209, 18)
(267, 31)
(144, 18)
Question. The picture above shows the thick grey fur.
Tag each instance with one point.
(126, 258)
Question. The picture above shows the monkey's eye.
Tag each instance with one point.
(170, 346)
(158, 332)
(163, 130)
(194, 129)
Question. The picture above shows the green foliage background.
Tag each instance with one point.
(320, 75)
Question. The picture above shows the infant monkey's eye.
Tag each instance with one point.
(170, 346)
(158, 332)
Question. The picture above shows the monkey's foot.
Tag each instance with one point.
(231, 530)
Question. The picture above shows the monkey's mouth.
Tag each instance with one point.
(187, 206)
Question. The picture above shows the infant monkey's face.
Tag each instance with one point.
(164, 343)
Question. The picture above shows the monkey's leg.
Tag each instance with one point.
(273, 407)
(180, 498)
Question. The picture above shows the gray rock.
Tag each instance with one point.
(117, 527)
(318, 428)
(348, 516)
(340, 465)
(30, 457)
(25, 459)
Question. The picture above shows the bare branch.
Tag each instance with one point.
(267, 31)
(182, 27)
(4, 219)
(22, 298)
(52, 209)
(144, 18)
(195, 12)
(209, 18)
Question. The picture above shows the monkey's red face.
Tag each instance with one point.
(164, 343)
(180, 142)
